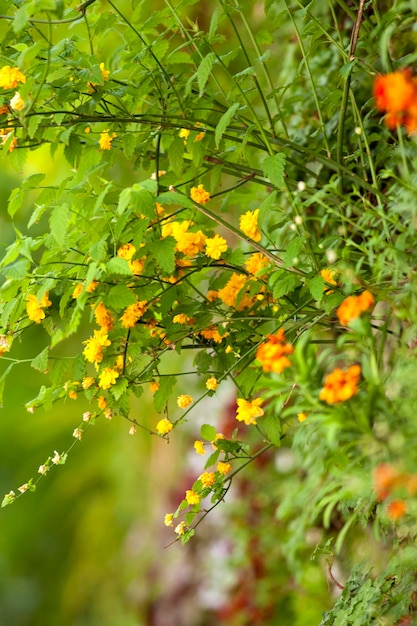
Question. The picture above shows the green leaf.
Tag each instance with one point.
(204, 71)
(116, 265)
(119, 297)
(208, 432)
(124, 200)
(164, 253)
(271, 426)
(40, 362)
(293, 249)
(161, 396)
(3, 382)
(274, 167)
(284, 284)
(176, 155)
(15, 201)
(58, 224)
(119, 388)
(174, 197)
(224, 122)
(316, 287)
(17, 270)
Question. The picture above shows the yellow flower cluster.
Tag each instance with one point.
(215, 246)
(249, 410)
(10, 77)
(184, 400)
(273, 353)
(35, 308)
(106, 139)
(248, 224)
(93, 350)
(199, 194)
(133, 313)
(164, 426)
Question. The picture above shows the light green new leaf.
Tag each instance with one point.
(208, 432)
(40, 362)
(58, 224)
(164, 253)
(166, 385)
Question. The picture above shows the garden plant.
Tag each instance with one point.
(238, 209)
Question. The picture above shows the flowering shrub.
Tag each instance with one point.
(276, 246)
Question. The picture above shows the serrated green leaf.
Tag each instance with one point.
(176, 155)
(317, 287)
(58, 224)
(271, 426)
(119, 388)
(119, 297)
(224, 122)
(274, 168)
(16, 271)
(161, 396)
(116, 265)
(285, 284)
(124, 200)
(292, 252)
(173, 197)
(164, 253)
(204, 71)
(40, 362)
(208, 432)
(15, 201)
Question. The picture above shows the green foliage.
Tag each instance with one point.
(227, 179)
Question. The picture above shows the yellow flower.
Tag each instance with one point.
(200, 136)
(103, 317)
(218, 436)
(212, 333)
(212, 384)
(34, 307)
(223, 468)
(249, 411)
(10, 77)
(72, 394)
(215, 246)
(168, 519)
(102, 402)
(199, 447)
(191, 243)
(248, 224)
(106, 139)
(154, 385)
(328, 277)
(133, 313)
(184, 401)
(184, 134)
(77, 291)
(126, 251)
(199, 194)
(105, 73)
(256, 262)
(181, 528)
(93, 350)
(192, 497)
(164, 426)
(229, 293)
(108, 377)
(208, 479)
(302, 417)
(17, 103)
(181, 318)
(92, 286)
(136, 266)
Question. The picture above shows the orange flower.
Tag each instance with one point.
(273, 353)
(386, 478)
(353, 306)
(340, 385)
(396, 95)
(396, 509)
(199, 194)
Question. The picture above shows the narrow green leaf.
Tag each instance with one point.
(176, 155)
(15, 201)
(224, 122)
(204, 70)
